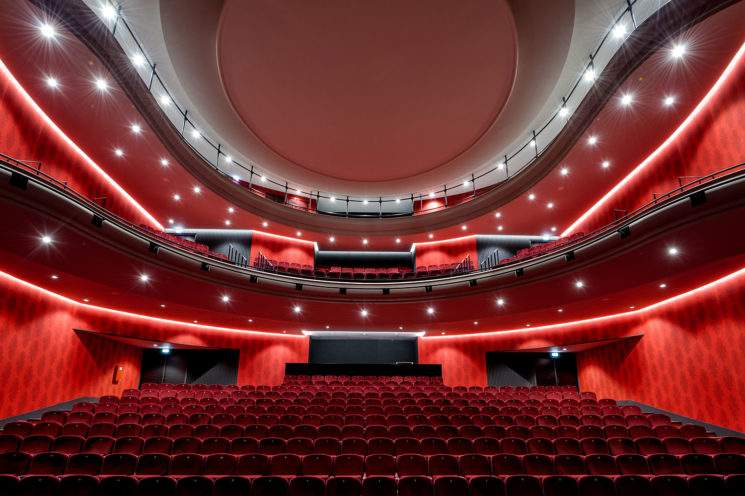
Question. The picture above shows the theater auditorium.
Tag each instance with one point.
(372, 248)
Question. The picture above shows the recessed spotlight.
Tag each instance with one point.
(164, 100)
(627, 99)
(265, 224)
(176, 197)
(398, 200)
(332, 239)
(136, 128)
(619, 31)
(108, 11)
(144, 278)
(164, 162)
(678, 51)
(138, 60)
(527, 325)
(365, 202)
(592, 140)
(466, 183)
(400, 328)
(560, 310)
(298, 234)
(669, 101)
(364, 241)
(553, 228)
(227, 222)
(579, 284)
(463, 227)
(54, 277)
(118, 152)
(47, 239)
(263, 179)
(500, 302)
(430, 311)
(500, 166)
(171, 221)
(673, 251)
(231, 210)
(531, 196)
(197, 190)
(533, 143)
(398, 241)
(250, 321)
(631, 307)
(332, 199)
(363, 312)
(498, 215)
(228, 159)
(47, 30)
(605, 164)
(589, 75)
(328, 327)
(564, 171)
(430, 235)
(52, 82)
(195, 133)
(86, 300)
(297, 309)
(162, 305)
(101, 84)
(550, 205)
(663, 285)
(431, 194)
(225, 298)
(442, 333)
(500, 227)
(475, 322)
(563, 111)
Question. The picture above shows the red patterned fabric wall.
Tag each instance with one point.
(44, 361)
(712, 142)
(446, 252)
(282, 249)
(688, 361)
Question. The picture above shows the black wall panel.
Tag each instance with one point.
(362, 350)
(531, 369)
(190, 366)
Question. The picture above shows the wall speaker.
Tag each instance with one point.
(698, 198)
(97, 221)
(386, 291)
(205, 266)
(18, 180)
(428, 289)
(569, 256)
(624, 232)
(298, 287)
(520, 272)
(342, 291)
(253, 279)
(153, 247)
(472, 283)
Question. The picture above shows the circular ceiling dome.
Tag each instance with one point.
(367, 91)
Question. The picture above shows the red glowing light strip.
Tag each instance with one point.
(69, 142)
(20, 282)
(663, 303)
(665, 144)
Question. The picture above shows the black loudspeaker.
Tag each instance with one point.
(342, 291)
(428, 289)
(520, 272)
(153, 247)
(253, 279)
(569, 256)
(97, 221)
(386, 291)
(624, 232)
(698, 198)
(18, 180)
(299, 287)
(205, 266)
(472, 283)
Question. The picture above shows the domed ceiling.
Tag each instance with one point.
(368, 97)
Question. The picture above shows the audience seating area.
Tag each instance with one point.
(538, 250)
(185, 243)
(372, 436)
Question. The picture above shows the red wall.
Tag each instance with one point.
(24, 135)
(44, 361)
(689, 360)
(282, 249)
(445, 252)
(713, 141)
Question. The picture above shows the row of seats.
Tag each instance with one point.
(542, 248)
(517, 485)
(362, 273)
(53, 463)
(377, 445)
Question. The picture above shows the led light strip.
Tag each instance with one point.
(75, 148)
(665, 144)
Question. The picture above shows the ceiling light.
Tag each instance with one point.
(365, 202)
(138, 60)
(498, 215)
(228, 159)
(560, 310)
(673, 251)
(52, 83)
(500, 227)
(171, 221)
(176, 197)
(298, 234)
(430, 236)
(328, 327)
(363, 312)
(364, 241)
(332, 239)
(265, 224)
(500, 165)
(592, 140)
(86, 300)
(442, 333)
(553, 228)
(231, 210)
(619, 31)
(144, 278)
(466, 183)
(563, 111)
(118, 152)
(54, 276)
(250, 321)
(227, 222)
(332, 199)
(589, 75)
(225, 298)
(297, 309)
(605, 164)
(631, 307)
(475, 322)
(47, 31)
(431, 194)
(398, 200)
(398, 240)
(669, 101)
(463, 227)
(263, 179)
(626, 99)
(298, 192)
(430, 311)
(164, 162)
(165, 100)
(101, 84)
(197, 190)
(195, 133)
(531, 196)
(136, 128)
(550, 205)
(579, 284)
(678, 51)
(663, 285)
(108, 11)
(500, 302)
(162, 305)
(564, 171)
(533, 143)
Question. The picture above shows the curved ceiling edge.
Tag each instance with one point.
(665, 23)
